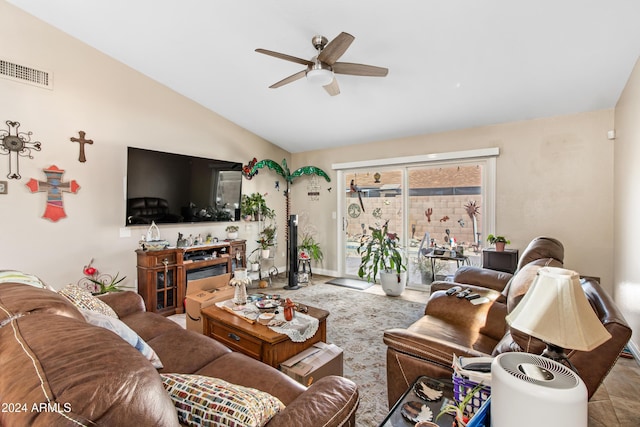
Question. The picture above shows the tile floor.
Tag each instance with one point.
(616, 403)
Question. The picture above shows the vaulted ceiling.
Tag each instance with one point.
(452, 64)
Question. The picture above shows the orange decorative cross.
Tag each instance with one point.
(54, 188)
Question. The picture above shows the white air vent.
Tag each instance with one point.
(24, 74)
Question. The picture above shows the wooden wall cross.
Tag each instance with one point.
(54, 188)
(82, 158)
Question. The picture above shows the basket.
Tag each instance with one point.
(463, 386)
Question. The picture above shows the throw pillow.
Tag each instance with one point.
(125, 332)
(15, 276)
(206, 401)
(83, 299)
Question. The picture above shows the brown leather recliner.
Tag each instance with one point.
(455, 326)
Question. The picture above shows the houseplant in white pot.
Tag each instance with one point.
(381, 254)
(266, 239)
(232, 231)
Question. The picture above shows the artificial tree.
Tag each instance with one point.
(289, 177)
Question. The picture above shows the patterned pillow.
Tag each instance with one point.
(125, 332)
(83, 299)
(15, 276)
(206, 401)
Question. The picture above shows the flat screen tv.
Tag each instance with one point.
(173, 188)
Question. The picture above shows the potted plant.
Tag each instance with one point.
(232, 231)
(267, 239)
(381, 254)
(459, 409)
(499, 241)
(254, 205)
(254, 260)
(310, 247)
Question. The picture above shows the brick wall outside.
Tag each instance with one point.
(451, 206)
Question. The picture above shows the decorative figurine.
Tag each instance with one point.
(240, 280)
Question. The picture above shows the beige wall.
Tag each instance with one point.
(627, 205)
(117, 107)
(554, 178)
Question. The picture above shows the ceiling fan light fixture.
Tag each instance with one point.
(320, 74)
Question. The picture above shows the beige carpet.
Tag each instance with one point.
(356, 323)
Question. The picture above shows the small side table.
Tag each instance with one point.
(462, 259)
(395, 418)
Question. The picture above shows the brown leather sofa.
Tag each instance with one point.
(455, 326)
(78, 374)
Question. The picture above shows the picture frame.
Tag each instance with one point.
(3, 187)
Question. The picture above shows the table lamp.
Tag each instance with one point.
(556, 311)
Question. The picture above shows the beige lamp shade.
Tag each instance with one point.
(556, 311)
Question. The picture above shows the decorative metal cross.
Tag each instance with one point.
(17, 145)
(82, 158)
(54, 188)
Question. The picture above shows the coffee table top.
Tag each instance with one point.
(264, 333)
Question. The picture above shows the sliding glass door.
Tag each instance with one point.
(427, 203)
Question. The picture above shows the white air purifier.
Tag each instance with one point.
(528, 390)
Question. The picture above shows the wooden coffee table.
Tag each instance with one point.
(256, 340)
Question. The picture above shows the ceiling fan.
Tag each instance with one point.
(322, 67)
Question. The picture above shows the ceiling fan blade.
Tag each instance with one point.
(336, 48)
(332, 88)
(287, 80)
(359, 69)
(285, 57)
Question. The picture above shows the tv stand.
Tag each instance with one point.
(162, 275)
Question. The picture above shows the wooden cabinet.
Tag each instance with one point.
(163, 275)
(160, 280)
(506, 261)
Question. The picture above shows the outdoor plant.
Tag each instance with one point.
(425, 267)
(380, 252)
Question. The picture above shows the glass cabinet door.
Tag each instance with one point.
(166, 289)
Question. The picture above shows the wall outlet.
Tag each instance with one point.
(125, 232)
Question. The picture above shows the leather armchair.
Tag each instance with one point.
(455, 326)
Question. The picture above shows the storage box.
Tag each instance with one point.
(202, 293)
(318, 361)
(208, 283)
